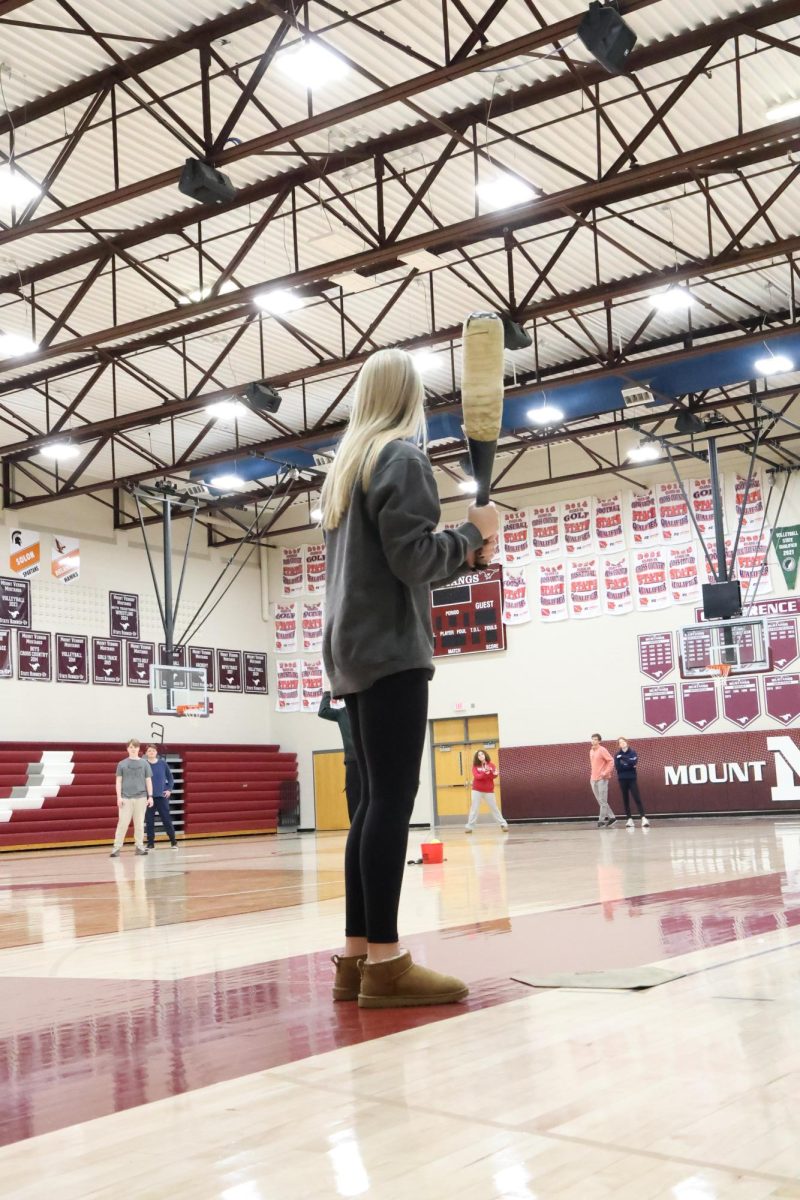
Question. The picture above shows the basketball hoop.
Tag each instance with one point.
(190, 710)
(722, 669)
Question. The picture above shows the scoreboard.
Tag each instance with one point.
(467, 614)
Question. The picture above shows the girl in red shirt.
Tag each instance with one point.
(484, 773)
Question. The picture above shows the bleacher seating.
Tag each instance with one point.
(60, 793)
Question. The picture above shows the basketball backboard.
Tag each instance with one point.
(178, 692)
(736, 647)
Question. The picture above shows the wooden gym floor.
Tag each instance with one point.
(166, 1028)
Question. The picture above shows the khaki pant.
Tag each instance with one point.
(131, 809)
(600, 789)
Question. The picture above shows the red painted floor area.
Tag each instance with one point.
(85, 1048)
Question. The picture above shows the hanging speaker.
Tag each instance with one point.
(204, 183)
(262, 398)
(514, 336)
(606, 36)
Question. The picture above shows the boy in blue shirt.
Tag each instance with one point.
(163, 784)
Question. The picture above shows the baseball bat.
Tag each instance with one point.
(482, 394)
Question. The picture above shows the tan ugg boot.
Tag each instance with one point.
(347, 980)
(400, 983)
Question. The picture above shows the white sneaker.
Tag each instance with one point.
(468, 829)
(645, 823)
(629, 823)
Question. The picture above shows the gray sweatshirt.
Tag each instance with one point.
(381, 561)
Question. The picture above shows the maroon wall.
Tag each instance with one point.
(688, 774)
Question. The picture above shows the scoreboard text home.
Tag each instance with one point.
(467, 614)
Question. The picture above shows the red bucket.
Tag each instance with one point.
(432, 852)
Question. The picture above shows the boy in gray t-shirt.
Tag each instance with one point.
(134, 795)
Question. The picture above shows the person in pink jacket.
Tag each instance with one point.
(602, 765)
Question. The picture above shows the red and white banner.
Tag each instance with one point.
(673, 514)
(576, 526)
(711, 546)
(315, 569)
(617, 592)
(608, 523)
(701, 498)
(584, 588)
(292, 570)
(552, 598)
(752, 564)
(285, 628)
(516, 610)
(751, 500)
(288, 685)
(65, 559)
(25, 553)
(545, 531)
(312, 625)
(644, 518)
(516, 547)
(652, 584)
(684, 574)
(311, 685)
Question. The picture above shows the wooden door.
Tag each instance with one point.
(455, 742)
(330, 800)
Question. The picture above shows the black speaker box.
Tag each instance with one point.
(204, 183)
(721, 601)
(606, 36)
(262, 398)
(514, 336)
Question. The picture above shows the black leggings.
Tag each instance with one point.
(630, 787)
(389, 722)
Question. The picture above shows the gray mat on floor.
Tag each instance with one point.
(624, 979)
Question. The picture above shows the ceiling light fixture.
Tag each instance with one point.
(14, 345)
(60, 451)
(785, 111)
(312, 65)
(646, 451)
(424, 360)
(469, 486)
(227, 483)
(278, 301)
(316, 514)
(203, 293)
(675, 299)
(15, 190)
(774, 364)
(225, 410)
(546, 414)
(504, 191)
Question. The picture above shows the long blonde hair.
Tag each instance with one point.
(389, 405)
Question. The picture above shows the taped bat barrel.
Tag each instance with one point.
(482, 394)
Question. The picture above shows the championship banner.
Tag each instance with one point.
(684, 574)
(617, 592)
(25, 553)
(576, 525)
(315, 569)
(65, 559)
(673, 514)
(288, 685)
(516, 610)
(292, 570)
(644, 518)
(753, 505)
(285, 628)
(652, 584)
(584, 589)
(607, 523)
(312, 625)
(786, 541)
(701, 498)
(752, 564)
(545, 531)
(516, 548)
(311, 685)
(552, 598)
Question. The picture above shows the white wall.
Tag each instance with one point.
(117, 561)
(554, 683)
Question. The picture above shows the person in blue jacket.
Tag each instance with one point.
(625, 761)
(163, 785)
